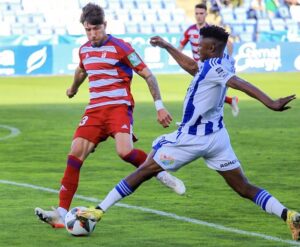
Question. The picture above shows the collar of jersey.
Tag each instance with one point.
(108, 39)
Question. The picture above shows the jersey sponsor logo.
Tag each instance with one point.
(134, 59)
(166, 160)
(229, 163)
(221, 72)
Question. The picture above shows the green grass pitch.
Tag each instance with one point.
(267, 144)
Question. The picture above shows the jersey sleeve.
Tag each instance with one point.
(217, 73)
(80, 59)
(132, 59)
(185, 38)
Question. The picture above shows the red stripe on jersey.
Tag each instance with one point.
(110, 67)
(192, 35)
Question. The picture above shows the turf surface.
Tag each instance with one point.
(266, 142)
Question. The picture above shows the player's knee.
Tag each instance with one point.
(77, 152)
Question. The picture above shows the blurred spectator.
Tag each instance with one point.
(292, 2)
(271, 8)
(216, 5)
(257, 9)
(251, 14)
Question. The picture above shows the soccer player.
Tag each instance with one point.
(202, 132)
(191, 35)
(108, 63)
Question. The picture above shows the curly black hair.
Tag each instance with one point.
(215, 32)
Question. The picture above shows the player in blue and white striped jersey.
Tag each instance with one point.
(202, 133)
(203, 104)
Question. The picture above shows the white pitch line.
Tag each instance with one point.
(13, 132)
(165, 214)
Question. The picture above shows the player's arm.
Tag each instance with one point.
(79, 77)
(180, 47)
(280, 104)
(185, 62)
(163, 116)
(183, 41)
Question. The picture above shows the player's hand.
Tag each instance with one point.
(164, 117)
(158, 41)
(71, 92)
(281, 103)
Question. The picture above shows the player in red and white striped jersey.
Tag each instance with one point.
(108, 63)
(191, 35)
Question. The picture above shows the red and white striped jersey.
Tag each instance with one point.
(110, 70)
(192, 35)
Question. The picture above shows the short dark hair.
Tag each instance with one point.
(215, 32)
(201, 6)
(92, 14)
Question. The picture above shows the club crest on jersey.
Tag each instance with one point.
(87, 56)
(134, 59)
(166, 160)
(103, 55)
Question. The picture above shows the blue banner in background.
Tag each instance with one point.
(66, 59)
(267, 57)
(26, 60)
(63, 58)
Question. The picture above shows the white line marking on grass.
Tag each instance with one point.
(165, 214)
(13, 132)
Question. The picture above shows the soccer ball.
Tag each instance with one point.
(76, 227)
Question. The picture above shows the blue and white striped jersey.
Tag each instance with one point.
(204, 101)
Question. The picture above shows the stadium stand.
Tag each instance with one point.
(33, 17)
(246, 20)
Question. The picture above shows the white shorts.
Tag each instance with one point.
(174, 150)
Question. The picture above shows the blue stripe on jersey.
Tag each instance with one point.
(193, 128)
(190, 108)
(220, 125)
(124, 46)
(209, 128)
(125, 68)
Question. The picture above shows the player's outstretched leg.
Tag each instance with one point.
(171, 182)
(238, 181)
(293, 222)
(51, 217)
